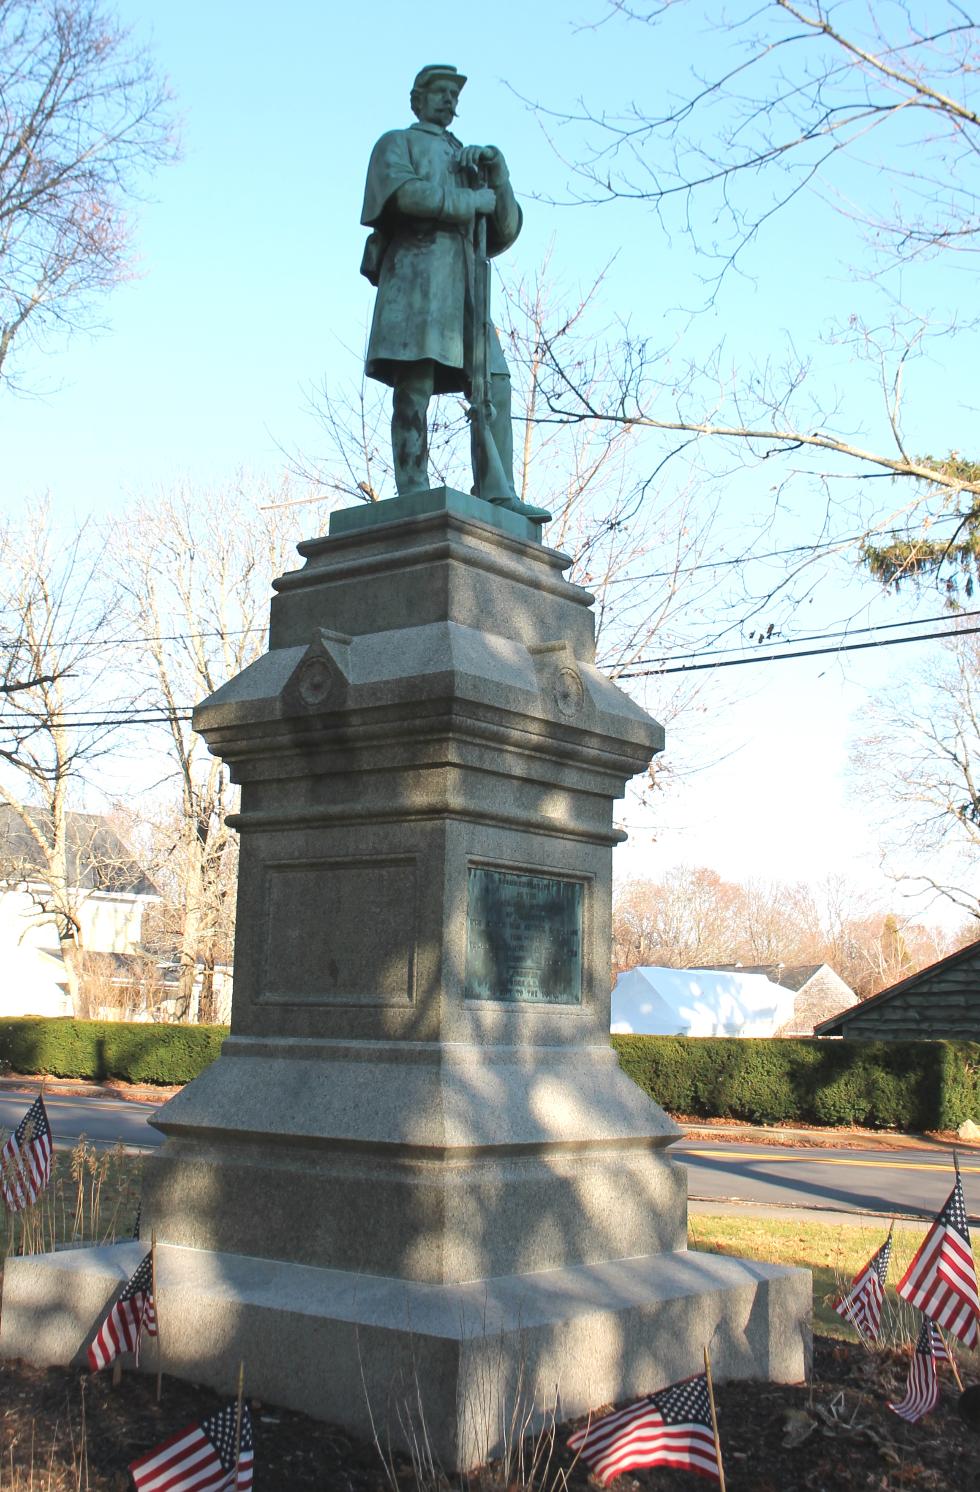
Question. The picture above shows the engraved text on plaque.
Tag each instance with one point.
(523, 938)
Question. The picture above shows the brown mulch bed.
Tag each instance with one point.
(820, 1136)
(835, 1436)
(81, 1088)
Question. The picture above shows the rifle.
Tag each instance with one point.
(490, 481)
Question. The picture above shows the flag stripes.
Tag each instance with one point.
(200, 1458)
(25, 1160)
(922, 1390)
(941, 1280)
(669, 1428)
(939, 1349)
(863, 1301)
(132, 1314)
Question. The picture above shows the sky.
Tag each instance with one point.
(247, 296)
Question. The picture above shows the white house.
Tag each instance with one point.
(109, 893)
(655, 1001)
(819, 993)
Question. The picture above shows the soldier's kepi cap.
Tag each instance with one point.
(435, 71)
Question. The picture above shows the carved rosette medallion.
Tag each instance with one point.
(569, 691)
(316, 681)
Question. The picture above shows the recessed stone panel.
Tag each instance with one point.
(352, 932)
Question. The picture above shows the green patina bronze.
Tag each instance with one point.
(438, 210)
(434, 500)
(523, 938)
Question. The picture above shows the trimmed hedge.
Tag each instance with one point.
(908, 1085)
(129, 1050)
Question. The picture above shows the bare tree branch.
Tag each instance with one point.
(195, 568)
(83, 118)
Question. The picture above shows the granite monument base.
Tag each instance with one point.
(466, 1360)
(416, 1170)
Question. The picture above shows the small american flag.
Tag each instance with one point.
(200, 1458)
(25, 1160)
(939, 1349)
(922, 1391)
(941, 1281)
(133, 1313)
(669, 1428)
(862, 1303)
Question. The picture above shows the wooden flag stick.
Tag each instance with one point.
(714, 1419)
(117, 1372)
(238, 1418)
(156, 1312)
(951, 1359)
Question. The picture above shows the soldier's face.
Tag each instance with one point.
(437, 104)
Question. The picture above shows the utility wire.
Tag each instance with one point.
(844, 647)
(748, 559)
(789, 642)
(721, 564)
(74, 722)
(123, 642)
(724, 564)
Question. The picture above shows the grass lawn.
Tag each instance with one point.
(833, 1254)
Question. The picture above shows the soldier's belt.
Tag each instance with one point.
(424, 230)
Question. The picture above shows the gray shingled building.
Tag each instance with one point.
(942, 1001)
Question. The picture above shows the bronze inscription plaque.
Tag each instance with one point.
(523, 938)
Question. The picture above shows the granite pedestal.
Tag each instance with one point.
(416, 1174)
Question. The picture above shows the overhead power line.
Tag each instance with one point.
(125, 642)
(720, 564)
(789, 642)
(749, 559)
(706, 653)
(24, 726)
(843, 647)
(77, 720)
(725, 564)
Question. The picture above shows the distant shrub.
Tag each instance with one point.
(913, 1085)
(131, 1051)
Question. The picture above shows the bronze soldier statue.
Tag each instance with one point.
(425, 196)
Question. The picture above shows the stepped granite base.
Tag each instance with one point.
(362, 1351)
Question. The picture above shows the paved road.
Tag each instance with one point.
(104, 1120)
(912, 1183)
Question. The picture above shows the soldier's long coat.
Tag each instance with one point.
(423, 257)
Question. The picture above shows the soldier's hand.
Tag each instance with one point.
(472, 157)
(493, 159)
(485, 201)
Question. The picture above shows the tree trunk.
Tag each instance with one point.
(206, 1009)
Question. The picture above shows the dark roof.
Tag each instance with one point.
(789, 976)
(829, 1027)
(98, 860)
